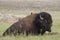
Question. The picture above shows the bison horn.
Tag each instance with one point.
(41, 18)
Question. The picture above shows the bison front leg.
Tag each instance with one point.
(27, 33)
(37, 32)
(43, 31)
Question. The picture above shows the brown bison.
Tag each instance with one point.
(35, 24)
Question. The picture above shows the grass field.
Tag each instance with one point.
(54, 35)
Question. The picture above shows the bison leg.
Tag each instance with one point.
(42, 32)
(27, 33)
(37, 32)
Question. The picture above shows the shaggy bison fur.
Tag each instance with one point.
(43, 21)
(15, 29)
(29, 27)
(37, 23)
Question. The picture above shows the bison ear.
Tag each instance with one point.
(41, 17)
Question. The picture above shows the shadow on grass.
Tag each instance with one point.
(53, 33)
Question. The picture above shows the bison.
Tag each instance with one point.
(36, 23)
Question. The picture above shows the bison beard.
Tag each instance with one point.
(34, 24)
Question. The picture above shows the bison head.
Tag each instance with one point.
(43, 21)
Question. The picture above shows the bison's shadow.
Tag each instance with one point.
(53, 33)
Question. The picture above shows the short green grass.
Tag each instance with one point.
(54, 35)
